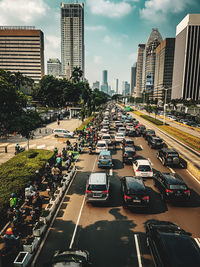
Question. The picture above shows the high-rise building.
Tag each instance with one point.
(54, 67)
(149, 61)
(72, 37)
(22, 50)
(96, 85)
(116, 86)
(186, 72)
(140, 60)
(104, 86)
(164, 69)
(125, 88)
(133, 78)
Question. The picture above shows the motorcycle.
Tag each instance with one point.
(90, 150)
(19, 150)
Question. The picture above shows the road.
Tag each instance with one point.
(115, 236)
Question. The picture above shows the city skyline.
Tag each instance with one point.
(113, 29)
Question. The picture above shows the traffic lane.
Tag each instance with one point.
(61, 233)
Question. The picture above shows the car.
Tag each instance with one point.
(171, 246)
(134, 192)
(135, 123)
(127, 142)
(97, 187)
(101, 146)
(171, 186)
(122, 130)
(132, 133)
(147, 133)
(170, 157)
(63, 133)
(105, 159)
(73, 258)
(104, 131)
(140, 129)
(119, 137)
(107, 138)
(155, 141)
(142, 167)
(128, 154)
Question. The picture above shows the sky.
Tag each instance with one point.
(113, 28)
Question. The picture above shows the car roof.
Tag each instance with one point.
(120, 134)
(143, 162)
(104, 152)
(106, 135)
(97, 178)
(155, 137)
(166, 149)
(101, 142)
(128, 140)
(172, 178)
(128, 148)
(134, 183)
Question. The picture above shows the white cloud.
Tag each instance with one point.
(107, 39)
(21, 11)
(109, 8)
(157, 10)
(97, 60)
(52, 40)
(133, 57)
(95, 28)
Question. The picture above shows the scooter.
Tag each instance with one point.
(21, 149)
(90, 150)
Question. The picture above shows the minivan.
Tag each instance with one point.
(97, 187)
(62, 133)
(105, 159)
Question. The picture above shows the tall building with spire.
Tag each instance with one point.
(72, 37)
(104, 86)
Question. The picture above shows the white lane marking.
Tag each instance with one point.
(141, 147)
(138, 251)
(77, 223)
(171, 170)
(31, 146)
(198, 241)
(111, 172)
(193, 177)
(41, 146)
(94, 164)
(150, 161)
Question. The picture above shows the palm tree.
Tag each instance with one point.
(77, 74)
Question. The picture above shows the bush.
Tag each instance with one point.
(16, 173)
(85, 123)
(154, 121)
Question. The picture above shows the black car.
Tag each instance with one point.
(140, 129)
(170, 157)
(128, 142)
(171, 246)
(148, 133)
(128, 154)
(155, 142)
(134, 192)
(171, 186)
(132, 133)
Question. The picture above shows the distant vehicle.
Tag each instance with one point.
(171, 246)
(105, 159)
(128, 142)
(155, 142)
(132, 133)
(104, 131)
(119, 137)
(71, 258)
(128, 154)
(142, 168)
(107, 138)
(101, 146)
(147, 133)
(122, 130)
(134, 192)
(97, 187)
(171, 186)
(63, 133)
(140, 129)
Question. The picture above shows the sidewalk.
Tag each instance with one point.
(45, 141)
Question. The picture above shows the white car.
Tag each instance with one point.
(107, 138)
(119, 137)
(142, 168)
(101, 146)
(122, 130)
(63, 133)
(104, 131)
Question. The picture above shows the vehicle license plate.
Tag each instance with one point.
(137, 200)
(97, 195)
(104, 162)
(144, 174)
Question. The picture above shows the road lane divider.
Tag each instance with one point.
(111, 172)
(138, 250)
(141, 147)
(197, 241)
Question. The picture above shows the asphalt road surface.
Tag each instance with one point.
(114, 236)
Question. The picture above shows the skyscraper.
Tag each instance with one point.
(125, 88)
(186, 72)
(164, 69)
(22, 50)
(54, 67)
(140, 60)
(116, 86)
(104, 86)
(72, 36)
(133, 78)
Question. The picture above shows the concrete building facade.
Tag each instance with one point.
(96, 85)
(22, 50)
(164, 69)
(186, 72)
(72, 37)
(139, 72)
(133, 78)
(54, 67)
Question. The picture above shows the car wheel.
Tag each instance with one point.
(56, 136)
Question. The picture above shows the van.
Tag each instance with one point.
(63, 133)
(105, 159)
(97, 187)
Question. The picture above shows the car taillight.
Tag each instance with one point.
(169, 191)
(126, 197)
(187, 192)
(151, 171)
(88, 191)
(137, 170)
(146, 198)
(125, 155)
(105, 192)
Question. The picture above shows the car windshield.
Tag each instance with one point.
(178, 186)
(68, 258)
(101, 145)
(106, 137)
(144, 168)
(173, 154)
(130, 153)
(104, 157)
(97, 187)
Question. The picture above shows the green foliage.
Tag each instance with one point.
(154, 121)
(77, 74)
(16, 173)
(85, 123)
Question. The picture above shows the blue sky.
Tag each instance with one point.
(113, 28)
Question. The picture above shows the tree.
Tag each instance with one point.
(77, 74)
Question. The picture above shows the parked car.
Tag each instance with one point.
(155, 142)
(171, 186)
(134, 192)
(171, 246)
(128, 154)
(97, 187)
(119, 137)
(63, 133)
(170, 157)
(142, 167)
(101, 146)
(105, 159)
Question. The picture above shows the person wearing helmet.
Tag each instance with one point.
(55, 151)
(10, 239)
(59, 161)
(13, 201)
(17, 148)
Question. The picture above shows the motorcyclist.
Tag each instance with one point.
(17, 148)
(59, 161)
(64, 153)
(10, 239)
(14, 201)
(55, 151)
